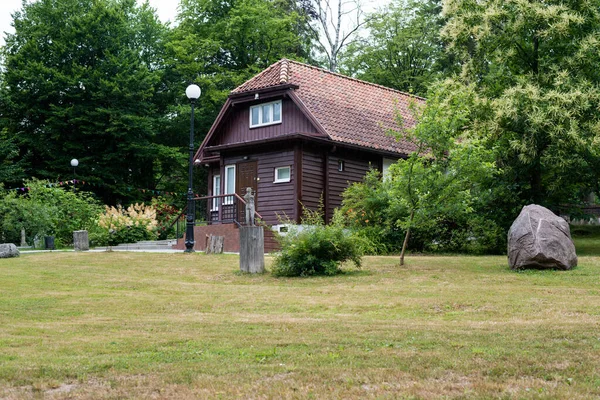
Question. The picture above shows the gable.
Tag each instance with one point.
(235, 127)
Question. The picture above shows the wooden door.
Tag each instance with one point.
(247, 173)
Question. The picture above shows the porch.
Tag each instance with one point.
(221, 215)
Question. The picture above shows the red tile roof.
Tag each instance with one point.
(351, 111)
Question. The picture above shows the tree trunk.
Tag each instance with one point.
(406, 237)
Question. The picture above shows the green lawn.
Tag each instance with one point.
(587, 240)
(135, 325)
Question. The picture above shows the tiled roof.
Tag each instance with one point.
(351, 111)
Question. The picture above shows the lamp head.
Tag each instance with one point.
(193, 92)
(74, 162)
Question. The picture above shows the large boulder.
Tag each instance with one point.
(8, 250)
(540, 239)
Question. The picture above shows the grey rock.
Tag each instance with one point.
(8, 250)
(540, 239)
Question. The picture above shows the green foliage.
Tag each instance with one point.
(404, 50)
(366, 209)
(83, 79)
(437, 197)
(315, 248)
(46, 210)
(538, 116)
(165, 216)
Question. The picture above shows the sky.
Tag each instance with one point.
(166, 10)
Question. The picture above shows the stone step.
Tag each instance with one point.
(149, 243)
(144, 245)
(133, 246)
(167, 242)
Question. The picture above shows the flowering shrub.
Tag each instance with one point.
(136, 222)
(165, 216)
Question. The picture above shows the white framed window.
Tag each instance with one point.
(216, 192)
(229, 183)
(341, 165)
(283, 174)
(386, 164)
(265, 114)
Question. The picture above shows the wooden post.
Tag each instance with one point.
(252, 249)
(81, 241)
(215, 244)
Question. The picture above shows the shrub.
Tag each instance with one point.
(45, 209)
(315, 248)
(136, 222)
(165, 216)
(371, 211)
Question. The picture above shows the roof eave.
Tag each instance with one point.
(307, 137)
(285, 86)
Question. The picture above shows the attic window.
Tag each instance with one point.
(265, 114)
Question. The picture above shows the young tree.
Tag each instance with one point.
(441, 176)
(83, 80)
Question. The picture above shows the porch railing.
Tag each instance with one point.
(224, 208)
(212, 210)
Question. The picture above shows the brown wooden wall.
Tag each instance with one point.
(236, 127)
(313, 177)
(282, 198)
(355, 168)
(272, 197)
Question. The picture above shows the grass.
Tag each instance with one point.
(587, 239)
(133, 325)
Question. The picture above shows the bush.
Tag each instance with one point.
(165, 216)
(136, 222)
(316, 249)
(369, 209)
(44, 209)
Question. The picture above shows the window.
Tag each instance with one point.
(386, 164)
(265, 114)
(341, 165)
(216, 191)
(283, 174)
(229, 183)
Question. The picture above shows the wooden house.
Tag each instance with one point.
(295, 134)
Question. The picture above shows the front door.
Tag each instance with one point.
(246, 177)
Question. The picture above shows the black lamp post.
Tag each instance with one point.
(193, 93)
(74, 164)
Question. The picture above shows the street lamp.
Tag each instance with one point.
(193, 93)
(74, 163)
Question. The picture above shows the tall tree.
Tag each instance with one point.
(404, 49)
(534, 65)
(11, 165)
(219, 45)
(335, 24)
(83, 80)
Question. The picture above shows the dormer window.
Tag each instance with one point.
(265, 114)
